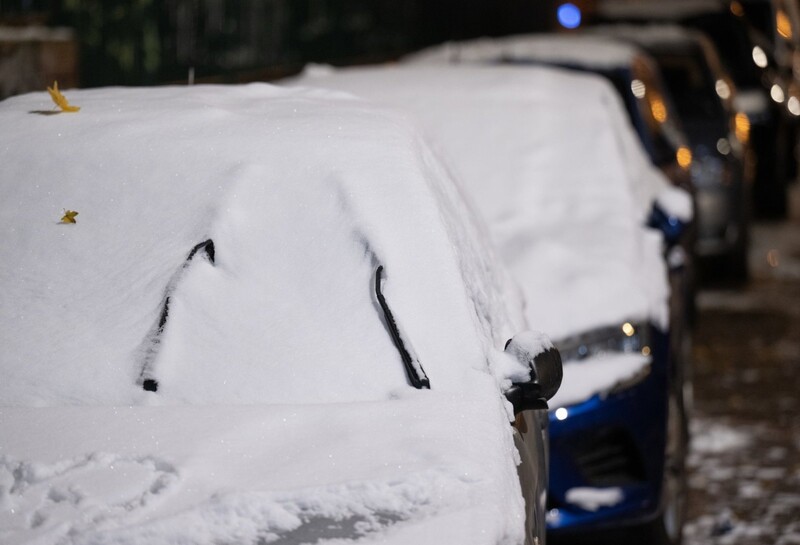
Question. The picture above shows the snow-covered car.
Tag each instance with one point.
(554, 166)
(636, 78)
(255, 315)
(631, 71)
(750, 63)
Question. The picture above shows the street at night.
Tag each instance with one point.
(744, 465)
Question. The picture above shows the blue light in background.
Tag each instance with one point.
(569, 15)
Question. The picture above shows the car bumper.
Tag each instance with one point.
(612, 446)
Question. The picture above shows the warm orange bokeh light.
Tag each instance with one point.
(783, 24)
(742, 127)
(684, 157)
(659, 109)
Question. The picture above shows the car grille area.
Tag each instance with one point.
(608, 457)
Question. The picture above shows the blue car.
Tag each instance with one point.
(616, 459)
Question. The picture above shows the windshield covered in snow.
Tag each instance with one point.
(303, 194)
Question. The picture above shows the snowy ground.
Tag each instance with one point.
(745, 460)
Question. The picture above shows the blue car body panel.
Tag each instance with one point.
(617, 441)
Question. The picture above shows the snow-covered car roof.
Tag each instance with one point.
(652, 35)
(655, 9)
(579, 50)
(283, 410)
(553, 164)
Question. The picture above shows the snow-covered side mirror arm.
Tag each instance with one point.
(544, 361)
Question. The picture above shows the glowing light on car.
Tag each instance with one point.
(742, 127)
(562, 413)
(723, 146)
(793, 105)
(723, 89)
(569, 15)
(628, 329)
(737, 9)
(659, 109)
(645, 351)
(638, 88)
(684, 157)
(776, 92)
(759, 57)
(783, 24)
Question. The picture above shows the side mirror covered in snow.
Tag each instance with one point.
(670, 226)
(544, 361)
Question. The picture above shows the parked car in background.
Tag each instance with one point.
(751, 66)
(552, 163)
(704, 96)
(632, 72)
(637, 80)
(778, 22)
(266, 315)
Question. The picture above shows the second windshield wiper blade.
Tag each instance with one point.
(147, 379)
(416, 374)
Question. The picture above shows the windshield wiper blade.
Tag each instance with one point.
(416, 374)
(147, 380)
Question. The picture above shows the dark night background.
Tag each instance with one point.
(139, 42)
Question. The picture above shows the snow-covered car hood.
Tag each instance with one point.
(399, 471)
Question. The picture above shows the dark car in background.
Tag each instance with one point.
(704, 96)
(750, 65)
(777, 24)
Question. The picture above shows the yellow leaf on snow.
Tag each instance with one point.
(69, 216)
(60, 100)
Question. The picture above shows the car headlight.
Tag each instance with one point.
(628, 338)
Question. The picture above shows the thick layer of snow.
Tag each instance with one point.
(598, 376)
(554, 166)
(578, 50)
(677, 201)
(420, 470)
(650, 35)
(657, 9)
(283, 409)
(303, 198)
(592, 499)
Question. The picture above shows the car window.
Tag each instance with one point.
(689, 79)
(650, 110)
(733, 45)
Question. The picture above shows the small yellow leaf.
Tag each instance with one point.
(69, 216)
(60, 100)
